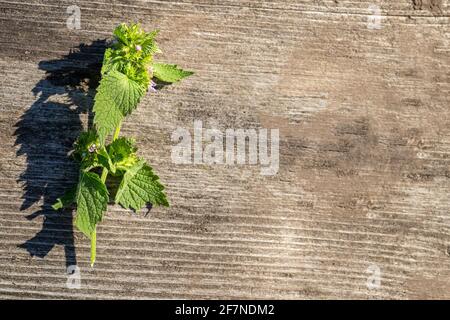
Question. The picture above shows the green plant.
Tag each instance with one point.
(127, 72)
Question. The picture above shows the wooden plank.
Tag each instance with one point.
(363, 181)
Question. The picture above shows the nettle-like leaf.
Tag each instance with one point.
(125, 92)
(149, 45)
(107, 115)
(108, 61)
(140, 186)
(122, 152)
(116, 97)
(169, 72)
(92, 199)
(132, 52)
(128, 37)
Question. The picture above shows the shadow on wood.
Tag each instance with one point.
(45, 134)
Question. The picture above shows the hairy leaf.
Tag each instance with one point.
(116, 97)
(124, 91)
(140, 186)
(92, 199)
(108, 61)
(169, 72)
(122, 152)
(149, 45)
(107, 114)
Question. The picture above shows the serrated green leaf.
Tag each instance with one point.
(140, 186)
(66, 200)
(105, 160)
(122, 152)
(107, 115)
(122, 147)
(116, 97)
(108, 61)
(125, 92)
(138, 74)
(169, 72)
(92, 200)
(120, 32)
(149, 45)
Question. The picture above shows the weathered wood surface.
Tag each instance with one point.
(364, 178)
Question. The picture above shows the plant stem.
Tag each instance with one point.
(103, 178)
(117, 132)
(104, 175)
(93, 247)
(94, 234)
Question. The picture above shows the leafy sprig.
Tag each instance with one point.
(127, 72)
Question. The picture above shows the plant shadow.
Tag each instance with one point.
(45, 134)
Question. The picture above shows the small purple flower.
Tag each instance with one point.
(92, 148)
(152, 86)
(138, 48)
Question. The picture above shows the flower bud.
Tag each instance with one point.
(92, 148)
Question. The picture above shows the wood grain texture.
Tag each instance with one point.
(364, 176)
